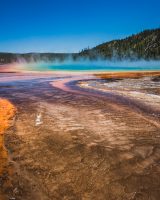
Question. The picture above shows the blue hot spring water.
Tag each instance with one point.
(94, 66)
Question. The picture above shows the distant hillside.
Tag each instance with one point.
(144, 45)
(33, 57)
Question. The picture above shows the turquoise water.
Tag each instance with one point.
(94, 66)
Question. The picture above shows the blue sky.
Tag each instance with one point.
(70, 25)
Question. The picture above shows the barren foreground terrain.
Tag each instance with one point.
(96, 140)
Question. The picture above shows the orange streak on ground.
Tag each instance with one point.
(106, 75)
(7, 111)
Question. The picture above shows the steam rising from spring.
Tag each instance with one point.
(69, 64)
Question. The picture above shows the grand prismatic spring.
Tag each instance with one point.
(81, 134)
(79, 100)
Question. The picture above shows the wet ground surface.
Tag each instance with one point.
(91, 144)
